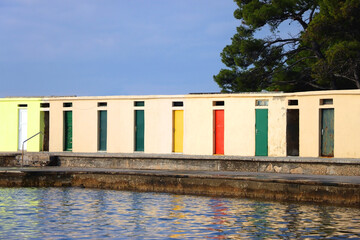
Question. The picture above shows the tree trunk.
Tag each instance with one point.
(316, 48)
(356, 76)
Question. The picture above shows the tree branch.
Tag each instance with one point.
(312, 14)
(302, 23)
(343, 76)
(316, 86)
(300, 60)
(289, 40)
(316, 48)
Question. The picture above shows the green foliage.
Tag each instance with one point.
(324, 54)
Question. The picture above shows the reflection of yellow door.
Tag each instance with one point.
(178, 130)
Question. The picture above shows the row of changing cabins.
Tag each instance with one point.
(305, 124)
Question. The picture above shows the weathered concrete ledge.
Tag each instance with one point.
(334, 190)
(8, 159)
(288, 165)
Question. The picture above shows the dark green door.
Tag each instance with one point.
(67, 130)
(261, 132)
(44, 128)
(102, 130)
(139, 130)
(327, 132)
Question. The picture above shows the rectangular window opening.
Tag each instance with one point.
(293, 102)
(328, 101)
(22, 105)
(218, 103)
(177, 104)
(262, 102)
(44, 105)
(102, 104)
(67, 104)
(139, 103)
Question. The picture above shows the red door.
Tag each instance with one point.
(219, 131)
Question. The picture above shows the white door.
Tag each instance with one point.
(22, 128)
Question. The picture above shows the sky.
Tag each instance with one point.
(112, 47)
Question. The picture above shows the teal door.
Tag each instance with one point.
(67, 130)
(139, 130)
(327, 132)
(102, 130)
(261, 132)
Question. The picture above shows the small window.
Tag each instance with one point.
(22, 105)
(44, 105)
(328, 101)
(102, 104)
(293, 102)
(218, 103)
(139, 103)
(67, 104)
(262, 102)
(177, 104)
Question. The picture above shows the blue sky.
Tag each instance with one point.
(112, 47)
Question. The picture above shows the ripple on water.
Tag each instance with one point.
(65, 213)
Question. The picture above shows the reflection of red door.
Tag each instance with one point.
(219, 131)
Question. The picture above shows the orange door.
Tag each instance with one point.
(219, 131)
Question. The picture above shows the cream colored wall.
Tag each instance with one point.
(277, 127)
(85, 126)
(56, 126)
(198, 123)
(120, 124)
(158, 126)
(347, 126)
(239, 126)
(120, 135)
(346, 106)
(198, 126)
(309, 123)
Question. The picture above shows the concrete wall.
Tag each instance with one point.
(239, 133)
(346, 105)
(120, 126)
(239, 136)
(120, 123)
(9, 123)
(347, 126)
(56, 126)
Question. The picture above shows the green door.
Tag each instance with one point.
(139, 130)
(261, 132)
(67, 130)
(327, 132)
(102, 130)
(44, 128)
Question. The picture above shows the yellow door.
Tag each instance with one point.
(178, 130)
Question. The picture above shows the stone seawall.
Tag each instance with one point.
(283, 187)
(8, 159)
(287, 165)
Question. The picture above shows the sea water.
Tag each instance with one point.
(79, 213)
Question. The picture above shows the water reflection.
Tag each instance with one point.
(65, 213)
